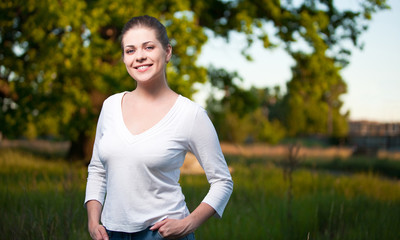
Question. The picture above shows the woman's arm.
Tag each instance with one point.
(96, 188)
(173, 229)
(203, 143)
(96, 230)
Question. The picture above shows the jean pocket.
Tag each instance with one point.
(109, 233)
(159, 235)
(190, 237)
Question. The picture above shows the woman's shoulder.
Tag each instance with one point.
(190, 105)
(112, 102)
(114, 98)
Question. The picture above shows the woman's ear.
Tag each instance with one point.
(169, 53)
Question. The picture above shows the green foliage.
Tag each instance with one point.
(242, 115)
(61, 59)
(312, 102)
(316, 22)
(315, 33)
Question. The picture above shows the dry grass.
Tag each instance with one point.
(45, 147)
(192, 166)
(261, 150)
(395, 155)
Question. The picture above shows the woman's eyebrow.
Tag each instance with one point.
(133, 46)
(145, 43)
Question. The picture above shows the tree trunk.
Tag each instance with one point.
(81, 148)
(330, 119)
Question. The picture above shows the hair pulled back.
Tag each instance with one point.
(147, 22)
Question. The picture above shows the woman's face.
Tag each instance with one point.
(144, 56)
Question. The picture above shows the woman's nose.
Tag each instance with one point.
(140, 56)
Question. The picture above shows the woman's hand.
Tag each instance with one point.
(98, 232)
(173, 228)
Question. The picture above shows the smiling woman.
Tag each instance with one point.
(144, 56)
(141, 141)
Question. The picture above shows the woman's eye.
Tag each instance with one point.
(150, 48)
(130, 51)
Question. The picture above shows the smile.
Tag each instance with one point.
(143, 67)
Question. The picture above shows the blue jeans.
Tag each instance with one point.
(146, 234)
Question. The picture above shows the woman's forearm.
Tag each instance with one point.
(200, 215)
(97, 231)
(94, 212)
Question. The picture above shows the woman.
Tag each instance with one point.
(142, 138)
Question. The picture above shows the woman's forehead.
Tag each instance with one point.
(139, 36)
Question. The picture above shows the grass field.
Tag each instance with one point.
(42, 198)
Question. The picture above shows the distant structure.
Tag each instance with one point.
(369, 137)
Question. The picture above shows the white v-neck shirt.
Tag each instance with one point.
(135, 177)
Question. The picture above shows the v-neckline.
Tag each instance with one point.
(131, 137)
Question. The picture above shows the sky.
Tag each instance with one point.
(372, 77)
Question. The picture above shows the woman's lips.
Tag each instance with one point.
(143, 68)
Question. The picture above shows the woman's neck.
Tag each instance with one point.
(153, 91)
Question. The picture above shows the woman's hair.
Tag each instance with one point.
(148, 22)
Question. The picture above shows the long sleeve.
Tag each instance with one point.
(204, 144)
(96, 181)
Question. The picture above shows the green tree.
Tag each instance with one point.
(316, 34)
(311, 20)
(61, 59)
(242, 115)
(312, 103)
(231, 113)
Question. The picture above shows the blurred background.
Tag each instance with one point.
(303, 95)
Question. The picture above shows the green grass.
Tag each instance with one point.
(360, 206)
(42, 198)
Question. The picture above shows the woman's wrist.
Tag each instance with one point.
(93, 224)
(191, 224)
(94, 212)
(199, 216)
